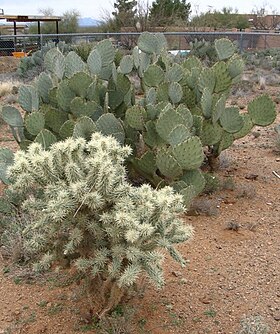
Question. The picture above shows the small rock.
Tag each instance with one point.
(205, 300)
(176, 273)
(251, 176)
(276, 316)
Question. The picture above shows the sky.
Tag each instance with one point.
(96, 8)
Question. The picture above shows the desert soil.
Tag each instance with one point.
(232, 273)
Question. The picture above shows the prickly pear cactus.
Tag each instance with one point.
(180, 113)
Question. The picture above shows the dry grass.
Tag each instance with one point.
(8, 87)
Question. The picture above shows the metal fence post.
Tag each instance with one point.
(241, 42)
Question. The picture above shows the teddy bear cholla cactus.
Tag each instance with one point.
(83, 207)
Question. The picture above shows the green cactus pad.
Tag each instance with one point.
(151, 43)
(84, 128)
(161, 43)
(207, 79)
(12, 116)
(219, 108)
(153, 111)
(167, 164)
(136, 117)
(28, 98)
(116, 98)
(179, 134)
(224, 48)
(106, 72)
(189, 97)
(114, 73)
(73, 64)
(186, 114)
(6, 159)
(46, 138)
(210, 133)
(178, 185)
(192, 79)
(231, 120)
(262, 110)
(108, 124)
(246, 128)
(55, 62)
(94, 91)
(223, 79)
(53, 97)
(106, 51)
(66, 130)
(163, 92)
(206, 103)
(236, 66)
(188, 194)
(192, 62)
(167, 121)
(44, 85)
(123, 84)
(79, 107)
(151, 96)
(146, 163)
(94, 62)
(225, 142)
(194, 178)
(34, 122)
(136, 57)
(54, 119)
(197, 125)
(64, 95)
(151, 136)
(79, 83)
(126, 64)
(153, 76)
(174, 73)
(175, 92)
(145, 61)
(189, 154)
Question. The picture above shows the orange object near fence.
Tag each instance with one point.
(19, 54)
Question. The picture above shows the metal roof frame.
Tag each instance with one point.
(31, 18)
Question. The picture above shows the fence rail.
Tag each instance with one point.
(176, 40)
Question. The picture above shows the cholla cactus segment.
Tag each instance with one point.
(79, 190)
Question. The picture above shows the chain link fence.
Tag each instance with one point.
(176, 40)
